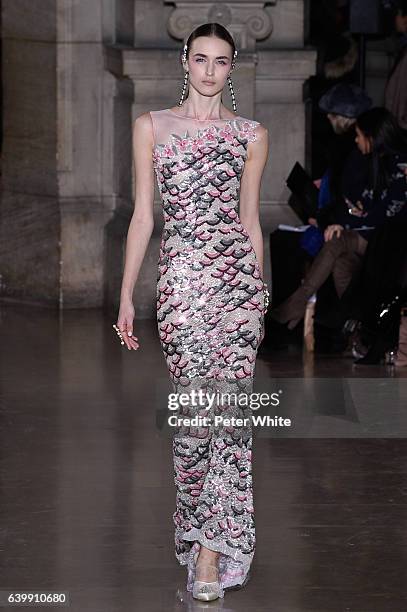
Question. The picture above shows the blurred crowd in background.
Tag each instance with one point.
(339, 281)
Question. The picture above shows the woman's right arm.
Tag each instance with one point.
(141, 224)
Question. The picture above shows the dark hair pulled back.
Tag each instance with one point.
(388, 139)
(211, 29)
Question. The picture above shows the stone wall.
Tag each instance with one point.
(76, 74)
(66, 147)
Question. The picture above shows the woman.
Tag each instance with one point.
(211, 296)
(379, 136)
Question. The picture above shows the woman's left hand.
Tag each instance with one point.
(331, 230)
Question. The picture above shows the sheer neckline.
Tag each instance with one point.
(201, 120)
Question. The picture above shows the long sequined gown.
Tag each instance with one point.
(210, 315)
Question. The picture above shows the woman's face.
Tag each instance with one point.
(364, 143)
(209, 63)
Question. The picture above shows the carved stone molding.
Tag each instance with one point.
(245, 19)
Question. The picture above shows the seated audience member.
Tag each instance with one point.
(347, 167)
(380, 137)
(346, 171)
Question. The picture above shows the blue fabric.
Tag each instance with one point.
(312, 239)
(324, 192)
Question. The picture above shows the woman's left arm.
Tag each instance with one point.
(249, 207)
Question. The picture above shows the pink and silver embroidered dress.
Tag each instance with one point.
(210, 313)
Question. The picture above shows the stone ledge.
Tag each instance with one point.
(164, 63)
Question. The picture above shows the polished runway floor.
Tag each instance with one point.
(87, 489)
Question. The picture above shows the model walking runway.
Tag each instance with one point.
(210, 303)
(211, 299)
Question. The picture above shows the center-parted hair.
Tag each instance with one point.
(211, 29)
(215, 30)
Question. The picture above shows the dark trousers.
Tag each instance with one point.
(288, 261)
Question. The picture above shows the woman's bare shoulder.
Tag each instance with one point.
(143, 126)
(143, 121)
(259, 141)
(261, 131)
(258, 127)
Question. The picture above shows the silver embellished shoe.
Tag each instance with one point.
(206, 591)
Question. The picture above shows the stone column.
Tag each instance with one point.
(66, 153)
(29, 213)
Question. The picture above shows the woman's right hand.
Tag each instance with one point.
(125, 324)
(331, 230)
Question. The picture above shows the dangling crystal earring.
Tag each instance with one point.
(185, 85)
(184, 89)
(232, 93)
